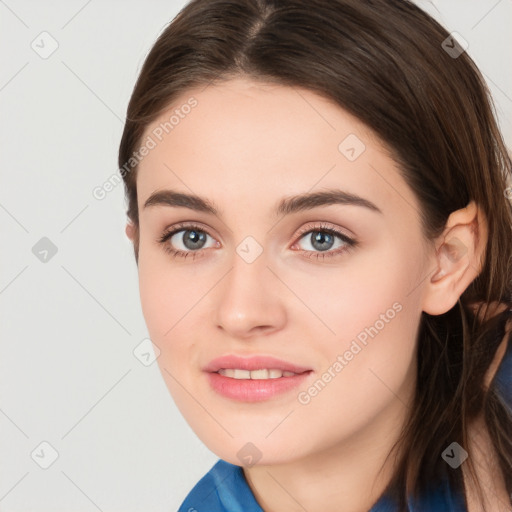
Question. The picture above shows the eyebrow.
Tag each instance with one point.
(286, 206)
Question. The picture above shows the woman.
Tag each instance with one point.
(317, 201)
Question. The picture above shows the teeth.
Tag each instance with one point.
(262, 374)
(259, 374)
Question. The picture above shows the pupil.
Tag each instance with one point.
(194, 238)
(321, 238)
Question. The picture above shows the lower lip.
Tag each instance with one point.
(254, 390)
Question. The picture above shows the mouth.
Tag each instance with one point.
(254, 363)
(262, 374)
(255, 378)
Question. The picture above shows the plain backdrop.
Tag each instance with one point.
(85, 425)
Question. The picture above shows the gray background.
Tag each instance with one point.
(70, 323)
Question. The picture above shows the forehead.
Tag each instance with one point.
(247, 140)
(253, 114)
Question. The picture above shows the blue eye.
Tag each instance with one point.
(192, 238)
(322, 239)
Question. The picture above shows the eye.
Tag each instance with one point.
(183, 240)
(188, 238)
(322, 238)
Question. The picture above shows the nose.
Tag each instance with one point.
(250, 300)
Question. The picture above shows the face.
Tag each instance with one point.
(330, 287)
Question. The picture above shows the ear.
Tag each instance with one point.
(458, 258)
(130, 230)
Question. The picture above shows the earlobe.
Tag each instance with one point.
(458, 258)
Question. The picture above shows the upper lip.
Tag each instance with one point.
(252, 363)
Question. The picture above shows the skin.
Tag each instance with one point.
(245, 146)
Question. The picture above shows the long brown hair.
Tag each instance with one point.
(386, 62)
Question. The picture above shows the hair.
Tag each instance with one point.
(382, 61)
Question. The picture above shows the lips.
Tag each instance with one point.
(254, 378)
(253, 363)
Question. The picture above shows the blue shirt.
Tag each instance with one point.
(225, 489)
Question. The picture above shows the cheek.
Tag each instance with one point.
(353, 296)
(373, 311)
(168, 301)
(168, 304)
(157, 297)
(360, 381)
(372, 358)
(167, 291)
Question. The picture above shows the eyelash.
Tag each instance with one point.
(321, 227)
